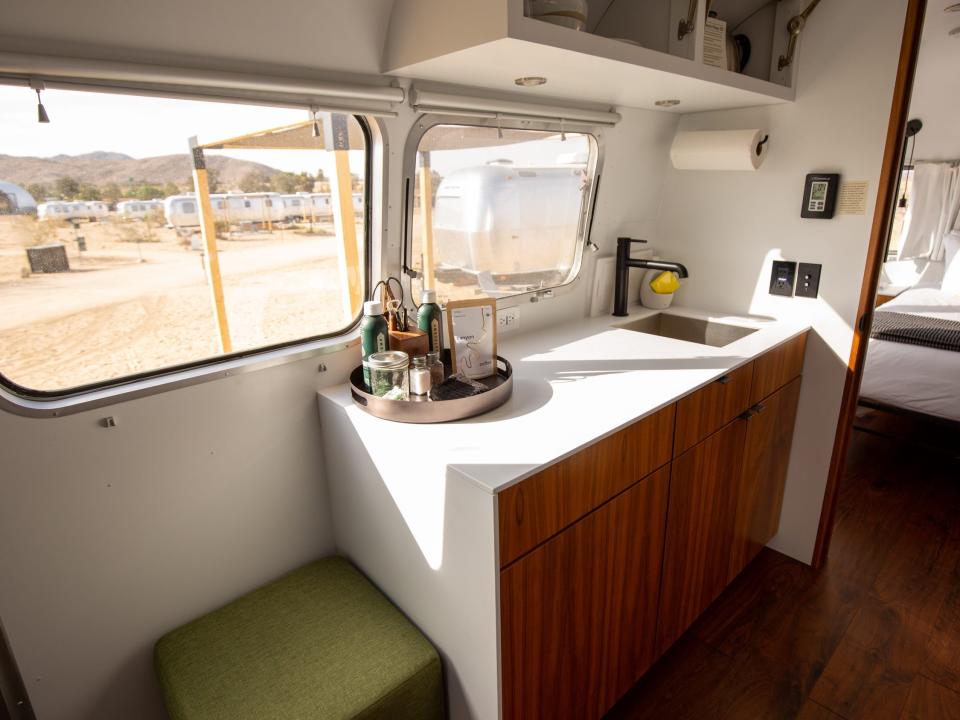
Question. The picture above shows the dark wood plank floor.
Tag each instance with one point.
(875, 635)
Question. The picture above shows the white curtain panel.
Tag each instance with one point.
(933, 212)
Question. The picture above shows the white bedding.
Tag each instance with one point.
(918, 378)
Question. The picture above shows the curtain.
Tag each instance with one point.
(933, 211)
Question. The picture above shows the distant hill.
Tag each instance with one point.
(99, 168)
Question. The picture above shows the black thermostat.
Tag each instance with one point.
(820, 195)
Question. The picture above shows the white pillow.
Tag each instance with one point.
(951, 276)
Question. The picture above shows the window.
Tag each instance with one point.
(139, 293)
(509, 208)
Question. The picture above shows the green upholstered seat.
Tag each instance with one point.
(321, 642)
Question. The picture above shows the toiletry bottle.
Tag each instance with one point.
(374, 335)
(428, 320)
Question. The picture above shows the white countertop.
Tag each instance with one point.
(573, 385)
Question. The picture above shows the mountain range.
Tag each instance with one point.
(99, 168)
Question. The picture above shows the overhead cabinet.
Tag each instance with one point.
(632, 57)
(610, 555)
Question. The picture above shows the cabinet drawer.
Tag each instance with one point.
(773, 370)
(710, 408)
(537, 508)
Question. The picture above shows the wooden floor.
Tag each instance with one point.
(875, 635)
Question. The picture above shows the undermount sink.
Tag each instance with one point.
(678, 327)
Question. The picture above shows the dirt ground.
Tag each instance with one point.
(127, 306)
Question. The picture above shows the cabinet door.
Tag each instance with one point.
(700, 520)
(765, 457)
(578, 614)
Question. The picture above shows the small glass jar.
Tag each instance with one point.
(389, 377)
(419, 378)
(435, 365)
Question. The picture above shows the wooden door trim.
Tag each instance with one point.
(882, 222)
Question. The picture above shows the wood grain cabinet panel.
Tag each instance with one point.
(774, 369)
(579, 613)
(711, 407)
(766, 455)
(700, 522)
(540, 506)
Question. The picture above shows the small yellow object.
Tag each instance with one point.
(665, 283)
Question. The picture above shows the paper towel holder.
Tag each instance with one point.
(761, 144)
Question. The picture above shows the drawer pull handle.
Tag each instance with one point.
(724, 379)
(759, 407)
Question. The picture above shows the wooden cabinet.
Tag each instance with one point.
(542, 505)
(608, 556)
(579, 613)
(705, 411)
(766, 454)
(700, 524)
(774, 369)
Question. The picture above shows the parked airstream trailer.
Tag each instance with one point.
(137, 209)
(61, 210)
(505, 219)
(233, 208)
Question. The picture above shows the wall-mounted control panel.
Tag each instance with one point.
(783, 277)
(808, 280)
(820, 195)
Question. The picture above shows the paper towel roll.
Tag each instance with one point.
(719, 150)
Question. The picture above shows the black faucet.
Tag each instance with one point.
(625, 262)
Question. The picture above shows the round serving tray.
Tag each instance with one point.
(436, 411)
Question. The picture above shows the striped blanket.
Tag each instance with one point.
(916, 330)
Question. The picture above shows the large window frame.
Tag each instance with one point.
(424, 123)
(21, 400)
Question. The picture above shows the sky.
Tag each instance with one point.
(83, 122)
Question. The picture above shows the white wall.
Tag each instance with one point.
(726, 226)
(936, 92)
(111, 537)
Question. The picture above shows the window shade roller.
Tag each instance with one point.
(442, 103)
(70, 73)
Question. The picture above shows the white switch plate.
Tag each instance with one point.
(508, 319)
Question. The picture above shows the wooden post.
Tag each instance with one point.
(209, 233)
(336, 138)
(426, 221)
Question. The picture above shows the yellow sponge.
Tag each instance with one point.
(665, 283)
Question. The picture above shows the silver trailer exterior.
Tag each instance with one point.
(60, 210)
(138, 209)
(181, 211)
(484, 215)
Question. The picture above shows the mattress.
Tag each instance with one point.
(916, 378)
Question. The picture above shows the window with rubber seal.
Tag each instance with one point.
(249, 233)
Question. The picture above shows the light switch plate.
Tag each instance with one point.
(508, 319)
(808, 280)
(782, 277)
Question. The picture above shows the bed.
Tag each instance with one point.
(912, 377)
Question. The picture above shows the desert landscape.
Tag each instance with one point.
(137, 299)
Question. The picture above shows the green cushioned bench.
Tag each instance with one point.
(321, 642)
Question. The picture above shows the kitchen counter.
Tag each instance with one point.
(415, 506)
(573, 385)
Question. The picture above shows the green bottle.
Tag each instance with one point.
(374, 335)
(428, 320)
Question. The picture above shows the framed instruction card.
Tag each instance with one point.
(472, 326)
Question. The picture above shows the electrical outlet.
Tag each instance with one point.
(508, 319)
(782, 277)
(808, 280)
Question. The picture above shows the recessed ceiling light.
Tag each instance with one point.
(530, 81)
(670, 102)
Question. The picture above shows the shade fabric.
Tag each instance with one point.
(933, 210)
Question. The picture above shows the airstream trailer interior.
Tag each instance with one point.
(512, 359)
